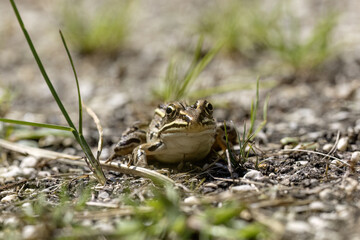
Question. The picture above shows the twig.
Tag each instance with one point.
(156, 177)
(99, 128)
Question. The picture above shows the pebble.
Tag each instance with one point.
(327, 147)
(9, 198)
(343, 144)
(326, 194)
(12, 221)
(28, 162)
(317, 206)
(298, 227)
(10, 172)
(34, 232)
(289, 140)
(355, 157)
(192, 200)
(43, 174)
(318, 222)
(103, 195)
(26, 172)
(253, 175)
(243, 188)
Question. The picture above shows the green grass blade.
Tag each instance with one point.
(195, 72)
(76, 79)
(42, 125)
(95, 165)
(253, 110)
(41, 66)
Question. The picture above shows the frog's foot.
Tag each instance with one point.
(138, 157)
(140, 153)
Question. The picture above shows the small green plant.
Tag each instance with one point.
(97, 26)
(299, 53)
(168, 220)
(231, 23)
(5, 100)
(245, 139)
(176, 85)
(91, 160)
(246, 27)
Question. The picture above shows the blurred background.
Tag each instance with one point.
(132, 55)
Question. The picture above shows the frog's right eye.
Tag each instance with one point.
(170, 111)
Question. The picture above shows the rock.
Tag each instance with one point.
(317, 206)
(289, 140)
(9, 198)
(11, 221)
(327, 147)
(192, 200)
(10, 172)
(43, 174)
(343, 144)
(29, 162)
(318, 222)
(26, 172)
(253, 175)
(355, 157)
(243, 188)
(326, 194)
(31, 232)
(298, 227)
(103, 195)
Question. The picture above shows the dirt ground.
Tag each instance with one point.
(295, 191)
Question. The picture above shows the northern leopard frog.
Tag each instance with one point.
(178, 132)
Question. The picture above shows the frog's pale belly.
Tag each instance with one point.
(186, 146)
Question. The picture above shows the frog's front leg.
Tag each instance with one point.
(140, 153)
(130, 139)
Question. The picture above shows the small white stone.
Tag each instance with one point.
(192, 200)
(326, 194)
(103, 195)
(26, 172)
(29, 162)
(11, 221)
(355, 157)
(33, 232)
(243, 188)
(43, 174)
(9, 198)
(317, 206)
(298, 227)
(12, 171)
(253, 175)
(318, 222)
(327, 147)
(303, 163)
(343, 144)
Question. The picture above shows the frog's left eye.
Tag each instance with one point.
(170, 111)
(209, 108)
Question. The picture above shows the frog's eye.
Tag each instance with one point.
(209, 108)
(170, 111)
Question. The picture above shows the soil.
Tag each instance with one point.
(287, 185)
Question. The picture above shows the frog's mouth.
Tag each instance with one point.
(187, 128)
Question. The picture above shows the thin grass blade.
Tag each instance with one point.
(76, 80)
(79, 138)
(33, 124)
